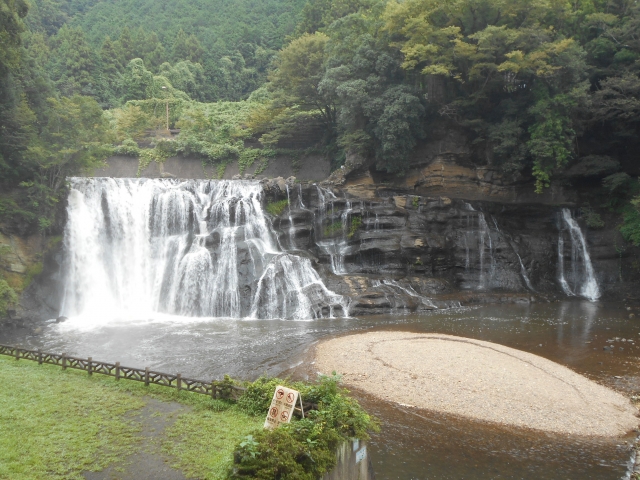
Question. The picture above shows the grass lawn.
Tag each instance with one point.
(56, 424)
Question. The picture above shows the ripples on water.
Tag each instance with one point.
(413, 444)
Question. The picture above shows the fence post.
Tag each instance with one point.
(17, 353)
(179, 382)
(39, 357)
(89, 362)
(117, 370)
(213, 389)
(64, 361)
(146, 376)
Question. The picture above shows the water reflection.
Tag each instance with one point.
(412, 444)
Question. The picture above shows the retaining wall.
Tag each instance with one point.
(307, 168)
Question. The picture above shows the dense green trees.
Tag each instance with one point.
(539, 87)
(536, 86)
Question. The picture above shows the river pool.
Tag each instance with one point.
(412, 444)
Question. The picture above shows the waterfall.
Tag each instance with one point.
(334, 246)
(411, 292)
(292, 230)
(582, 276)
(484, 241)
(136, 247)
(523, 272)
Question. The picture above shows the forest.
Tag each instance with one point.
(546, 89)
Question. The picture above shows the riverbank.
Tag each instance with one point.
(477, 379)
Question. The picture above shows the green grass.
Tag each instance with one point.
(204, 441)
(55, 424)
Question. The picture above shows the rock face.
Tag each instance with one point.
(387, 250)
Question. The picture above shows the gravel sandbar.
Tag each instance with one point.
(476, 379)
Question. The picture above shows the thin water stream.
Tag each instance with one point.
(412, 444)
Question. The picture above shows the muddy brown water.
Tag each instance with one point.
(412, 444)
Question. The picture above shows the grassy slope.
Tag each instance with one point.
(56, 424)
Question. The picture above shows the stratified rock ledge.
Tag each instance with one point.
(477, 379)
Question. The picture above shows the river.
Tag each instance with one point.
(412, 444)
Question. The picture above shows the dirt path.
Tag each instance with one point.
(148, 462)
(477, 379)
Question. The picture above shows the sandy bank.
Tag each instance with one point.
(477, 379)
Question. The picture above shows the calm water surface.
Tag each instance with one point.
(412, 444)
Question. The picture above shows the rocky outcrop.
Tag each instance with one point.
(30, 266)
(388, 250)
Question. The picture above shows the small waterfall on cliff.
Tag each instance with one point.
(192, 248)
(411, 292)
(292, 230)
(336, 230)
(523, 270)
(482, 237)
(581, 278)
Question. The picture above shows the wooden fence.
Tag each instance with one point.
(215, 389)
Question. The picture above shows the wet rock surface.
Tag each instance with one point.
(394, 251)
(388, 250)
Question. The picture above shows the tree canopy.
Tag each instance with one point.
(544, 88)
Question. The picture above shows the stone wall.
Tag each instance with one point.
(309, 167)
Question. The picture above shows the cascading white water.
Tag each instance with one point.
(136, 247)
(292, 230)
(583, 278)
(335, 247)
(523, 272)
(484, 240)
(411, 292)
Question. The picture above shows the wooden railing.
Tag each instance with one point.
(215, 389)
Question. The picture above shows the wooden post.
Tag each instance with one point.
(17, 353)
(39, 357)
(146, 376)
(179, 382)
(213, 389)
(117, 370)
(168, 115)
(64, 361)
(89, 362)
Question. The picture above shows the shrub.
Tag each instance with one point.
(276, 208)
(8, 297)
(332, 228)
(592, 218)
(305, 448)
(356, 223)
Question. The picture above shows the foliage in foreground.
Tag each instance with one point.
(57, 424)
(304, 448)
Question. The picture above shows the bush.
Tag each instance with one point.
(305, 448)
(8, 297)
(356, 223)
(592, 218)
(332, 228)
(276, 208)
(630, 228)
